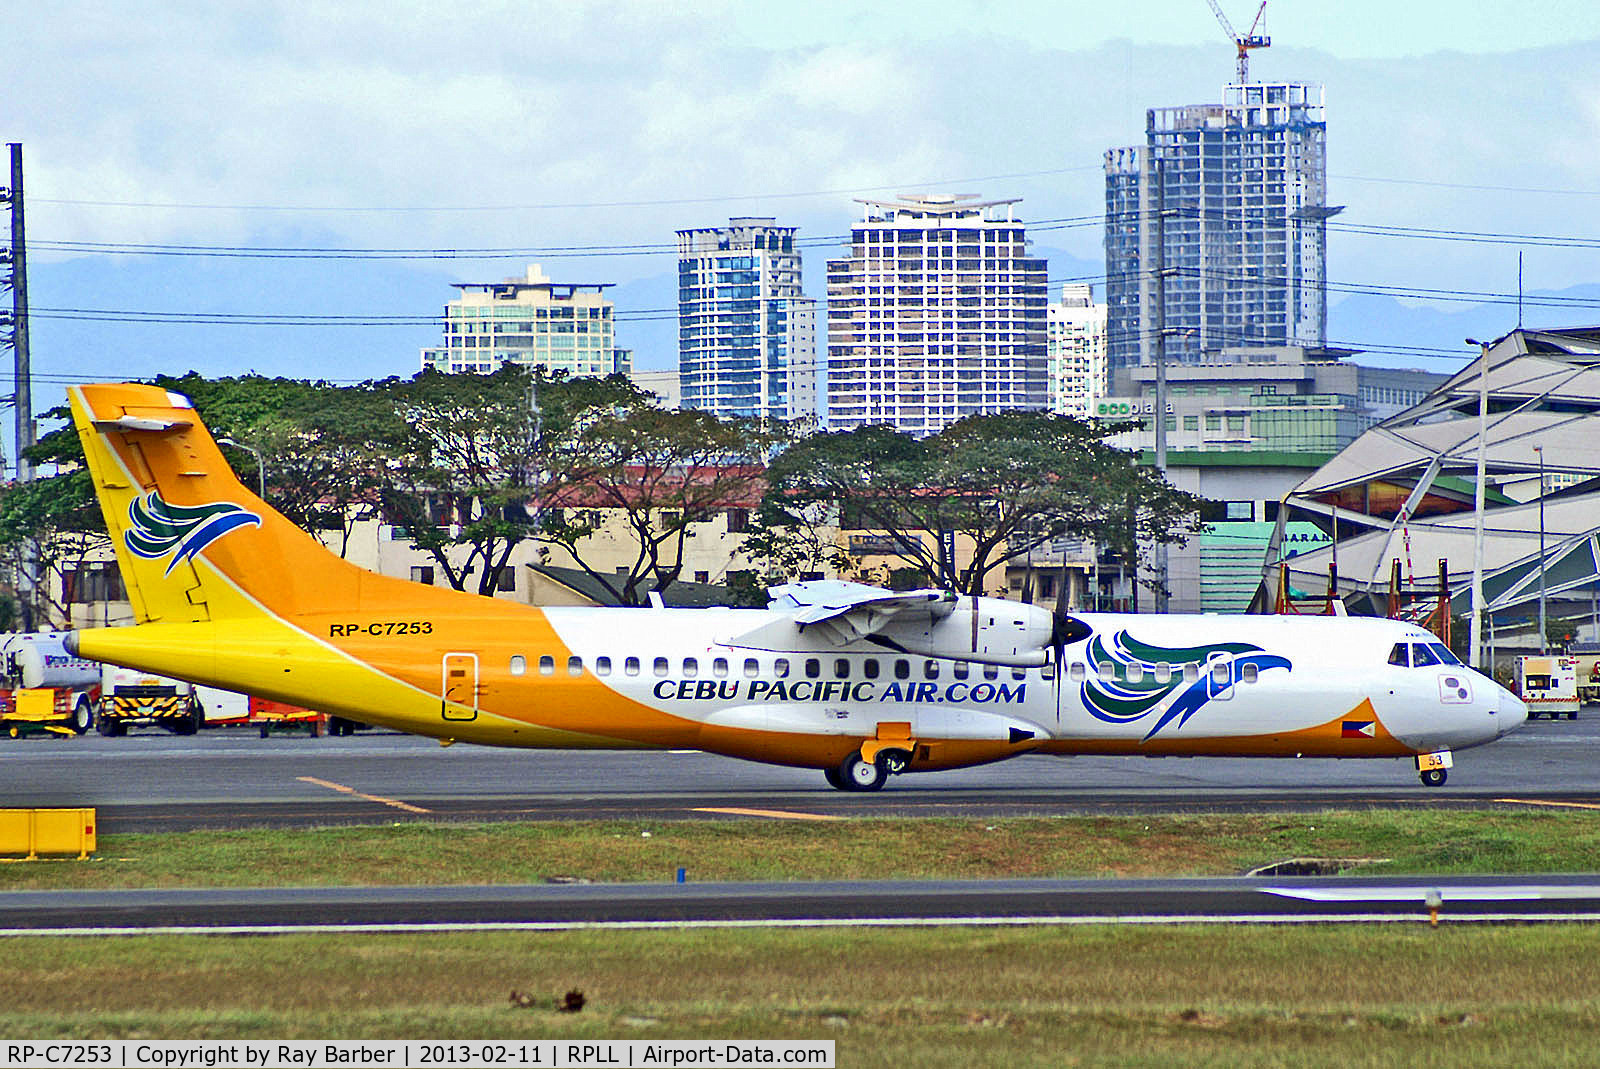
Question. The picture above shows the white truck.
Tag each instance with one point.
(129, 697)
(45, 688)
(1548, 686)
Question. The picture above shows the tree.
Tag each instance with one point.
(326, 450)
(52, 527)
(477, 470)
(661, 472)
(1003, 484)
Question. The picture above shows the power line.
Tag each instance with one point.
(668, 202)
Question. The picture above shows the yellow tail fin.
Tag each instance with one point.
(173, 506)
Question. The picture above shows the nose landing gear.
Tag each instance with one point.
(1433, 768)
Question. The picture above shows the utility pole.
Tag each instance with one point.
(1158, 164)
(22, 397)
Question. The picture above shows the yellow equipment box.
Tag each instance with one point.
(31, 832)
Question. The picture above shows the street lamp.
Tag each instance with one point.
(261, 465)
(1543, 631)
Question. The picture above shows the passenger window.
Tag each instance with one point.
(519, 664)
(1019, 673)
(1135, 672)
(1397, 656)
(719, 668)
(959, 669)
(1191, 671)
(752, 667)
(602, 666)
(660, 666)
(1076, 672)
(1421, 655)
(1443, 653)
(991, 671)
(547, 665)
(869, 668)
(1249, 672)
(780, 668)
(691, 668)
(574, 666)
(1163, 672)
(631, 666)
(902, 669)
(930, 669)
(841, 668)
(1220, 675)
(813, 668)
(1105, 668)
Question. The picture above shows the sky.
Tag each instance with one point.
(516, 133)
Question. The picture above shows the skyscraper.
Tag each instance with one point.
(1077, 351)
(746, 333)
(560, 326)
(1228, 205)
(937, 313)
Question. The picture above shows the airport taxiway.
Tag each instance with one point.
(229, 777)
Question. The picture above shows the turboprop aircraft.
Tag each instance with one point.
(857, 682)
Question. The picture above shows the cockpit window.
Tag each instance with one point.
(1444, 654)
(1422, 655)
(1400, 656)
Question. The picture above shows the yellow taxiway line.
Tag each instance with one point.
(1536, 801)
(357, 794)
(775, 814)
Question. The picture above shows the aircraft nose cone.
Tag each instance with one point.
(1512, 713)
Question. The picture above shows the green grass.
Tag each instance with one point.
(1397, 994)
(1425, 841)
(1457, 996)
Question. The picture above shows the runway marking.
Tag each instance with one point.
(775, 814)
(341, 788)
(1539, 801)
(1271, 919)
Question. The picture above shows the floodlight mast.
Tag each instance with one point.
(1243, 42)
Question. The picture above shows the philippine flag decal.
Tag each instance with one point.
(1358, 729)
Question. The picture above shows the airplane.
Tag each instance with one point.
(852, 680)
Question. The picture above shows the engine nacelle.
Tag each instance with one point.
(1007, 633)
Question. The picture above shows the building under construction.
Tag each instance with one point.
(1216, 227)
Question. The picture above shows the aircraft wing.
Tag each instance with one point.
(846, 612)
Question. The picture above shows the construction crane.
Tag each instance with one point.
(1243, 42)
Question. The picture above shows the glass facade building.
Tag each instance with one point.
(746, 333)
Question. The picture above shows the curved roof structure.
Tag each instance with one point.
(1404, 490)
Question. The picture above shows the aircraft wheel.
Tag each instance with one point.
(1434, 777)
(859, 775)
(834, 779)
(82, 717)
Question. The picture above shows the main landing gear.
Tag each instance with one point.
(858, 774)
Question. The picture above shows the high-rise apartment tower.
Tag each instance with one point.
(1077, 351)
(937, 313)
(746, 334)
(560, 326)
(1227, 206)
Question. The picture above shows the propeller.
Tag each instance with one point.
(1027, 588)
(1064, 630)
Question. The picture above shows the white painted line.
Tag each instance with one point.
(1449, 892)
(856, 922)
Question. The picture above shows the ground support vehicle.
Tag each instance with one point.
(272, 717)
(45, 688)
(1548, 686)
(129, 697)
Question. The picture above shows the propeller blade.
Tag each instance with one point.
(1027, 588)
